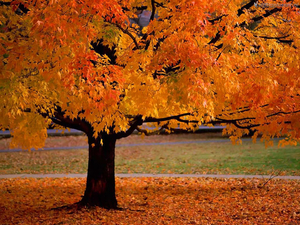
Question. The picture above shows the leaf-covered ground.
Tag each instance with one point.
(153, 201)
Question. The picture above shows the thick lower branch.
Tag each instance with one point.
(177, 117)
(135, 123)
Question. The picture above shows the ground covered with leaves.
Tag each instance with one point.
(153, 201)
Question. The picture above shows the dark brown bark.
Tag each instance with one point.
(100, 185)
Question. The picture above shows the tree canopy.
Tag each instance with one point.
(228, 61)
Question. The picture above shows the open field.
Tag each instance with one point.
(192, 158)
(153, 201)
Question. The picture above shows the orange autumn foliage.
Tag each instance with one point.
(227, 61)
(153, 201)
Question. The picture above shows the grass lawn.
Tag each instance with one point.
(197, 158)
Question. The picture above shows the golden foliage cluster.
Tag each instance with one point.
(210, 59)
(153, 201)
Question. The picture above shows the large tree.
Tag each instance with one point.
(102, 68)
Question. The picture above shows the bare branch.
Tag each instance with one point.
(212, 21)
(272, 176)
(283, 113)
(134, 124)
(77, 123)
(153, 10)
(247, 6)
(216, 38)
(147, 133)
(280, 39)
(268, 13)
(125, 31)
(5, 3)
(153, 120)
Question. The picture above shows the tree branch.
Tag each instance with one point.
(153, 10)
(268, 13)
(20, 9)
(125, 31)
(247, 6)
(283, 113)
(5, 3)
(147, 133)
(280, 39)
(273, 175)
(216, 38)
(134, 124)
(151, 19)
(78, 124)
(59, 119)
(243, 24)
(219, 18)
(177, 117)
(212, 21)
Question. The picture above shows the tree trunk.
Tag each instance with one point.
(100, 185)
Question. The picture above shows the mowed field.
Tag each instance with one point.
(200, 153)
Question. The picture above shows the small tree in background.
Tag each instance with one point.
(86, 65)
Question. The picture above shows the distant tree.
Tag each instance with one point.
(86, 65)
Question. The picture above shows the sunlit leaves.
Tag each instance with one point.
(206, 58)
